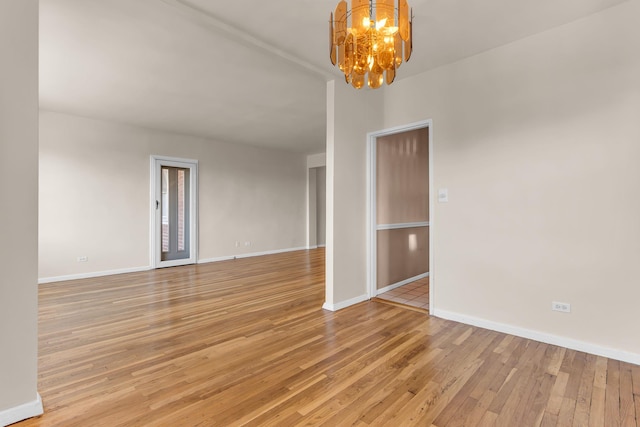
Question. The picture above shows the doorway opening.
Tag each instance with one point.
(174, 206)
(400, 218)
(317, 207)
(316, 200)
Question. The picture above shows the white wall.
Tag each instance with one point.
(538, 143)
(19, 214)
(316, 160)
(350, 115)
(94, 195)
(316, 203)
(312, 211)
(321, 205)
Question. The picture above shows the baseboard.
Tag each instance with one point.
(345, 304)
(404, 282)
(277, 251)
(22, 412)
(91, 275)
(250, 255)
(218, 259)
(572, 344)
(147, 268)
(322, 246)
(312, 247)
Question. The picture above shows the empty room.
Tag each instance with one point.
(385, 213)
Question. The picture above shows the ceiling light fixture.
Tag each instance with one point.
(370, 41)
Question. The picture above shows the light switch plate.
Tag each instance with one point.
(443, 195)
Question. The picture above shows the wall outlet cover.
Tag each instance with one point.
(561, 306)
(443, 195)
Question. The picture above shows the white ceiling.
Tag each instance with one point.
(245, 71)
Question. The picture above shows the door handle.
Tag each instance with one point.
(157, 204)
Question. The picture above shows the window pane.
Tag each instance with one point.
(181, 209)
(165, 210)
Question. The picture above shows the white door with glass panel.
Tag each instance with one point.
(174, 205)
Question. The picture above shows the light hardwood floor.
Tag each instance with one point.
(246, 342)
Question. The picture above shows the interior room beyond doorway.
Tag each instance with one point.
(414, 294)
(401, 190)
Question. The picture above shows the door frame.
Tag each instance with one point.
(372, 137)
(156, 163)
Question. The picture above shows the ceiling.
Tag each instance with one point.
(245, 71)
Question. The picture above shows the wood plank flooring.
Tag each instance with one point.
(246, 342)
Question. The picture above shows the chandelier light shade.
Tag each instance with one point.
(370, 41)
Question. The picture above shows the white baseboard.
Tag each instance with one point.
(277, 251)
(91, 275)
(252, 254)
(345, 304)
(312, 247)
(404, 282)
(22, 412)
(322, 246)
(572, 344)
(217, 259)
(147, 268)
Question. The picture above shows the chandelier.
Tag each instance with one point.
(370, 41)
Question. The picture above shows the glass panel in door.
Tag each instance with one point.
(175, 213)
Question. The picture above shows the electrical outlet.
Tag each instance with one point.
(247, 243)
(561, 306)
(83, 258)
